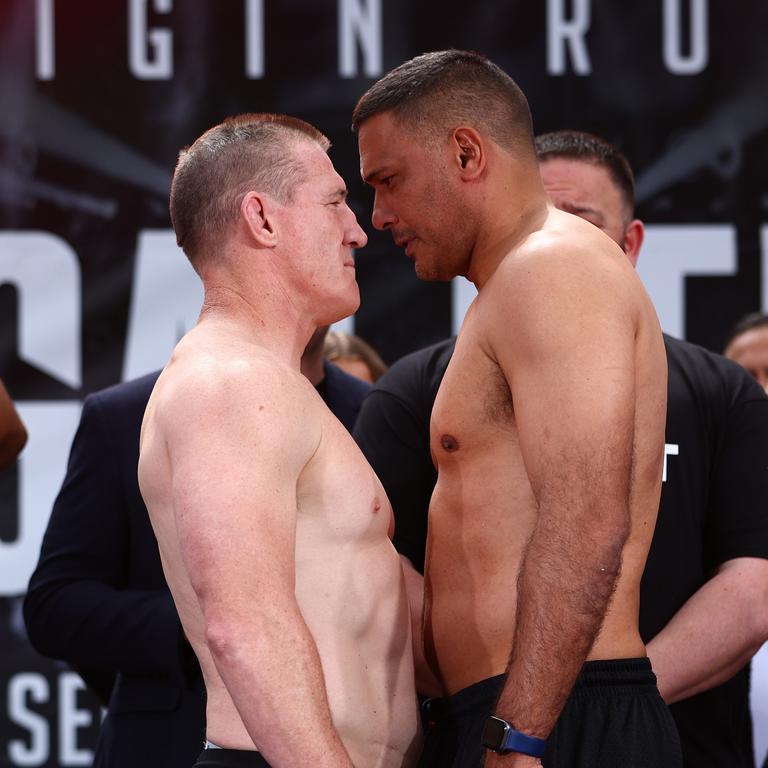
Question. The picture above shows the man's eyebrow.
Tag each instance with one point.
(373, 175)
(581, 209)
(339, 194)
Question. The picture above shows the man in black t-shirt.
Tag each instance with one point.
(703, 592)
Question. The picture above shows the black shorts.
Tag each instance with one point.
(231, 758)
(613, 717)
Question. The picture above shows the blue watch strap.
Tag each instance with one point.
(514, 741)
(501, 737)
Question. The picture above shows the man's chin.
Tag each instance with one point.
(429, 272)
(344, 308)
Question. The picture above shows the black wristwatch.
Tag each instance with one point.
(499, 736)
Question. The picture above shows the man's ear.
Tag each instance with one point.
(257, 213)
(468, 152)
(633, 240)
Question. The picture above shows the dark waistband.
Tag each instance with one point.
(231, 758)
(594, 674)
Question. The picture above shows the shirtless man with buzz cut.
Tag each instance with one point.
(273, 530)
(547, 493)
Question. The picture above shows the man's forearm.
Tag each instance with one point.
(272, 671)
(715, 633)
(563, 593)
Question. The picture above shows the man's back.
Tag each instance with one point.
(313, 488)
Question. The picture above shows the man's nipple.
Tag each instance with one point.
(449, 443)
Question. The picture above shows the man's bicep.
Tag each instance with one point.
(234, 501)
(572, 379)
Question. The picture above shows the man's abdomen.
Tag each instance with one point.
(473, 558)
(356, 609)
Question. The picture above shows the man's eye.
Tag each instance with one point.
(386, 181)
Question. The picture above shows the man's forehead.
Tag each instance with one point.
(312, 154)
(320, 165)
(752, 340)
(379, 139)
(572, 169)
(379, 127)
(579, 178)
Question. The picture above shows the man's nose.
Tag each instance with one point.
(382, 218)
(355, 235)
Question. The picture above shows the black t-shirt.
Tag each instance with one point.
(713, 503)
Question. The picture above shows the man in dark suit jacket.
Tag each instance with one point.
(98, 598)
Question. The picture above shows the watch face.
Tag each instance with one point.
(493, 733)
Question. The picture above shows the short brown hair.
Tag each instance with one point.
(580, 145)
(435, 91)
(747, 323)
(243, 153)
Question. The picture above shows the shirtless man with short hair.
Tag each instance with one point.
(272, 528)
(547, 496)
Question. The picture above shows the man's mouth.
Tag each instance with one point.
(407, 244)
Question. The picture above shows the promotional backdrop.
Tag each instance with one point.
(98, 96)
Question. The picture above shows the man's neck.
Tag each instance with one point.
(265, 317)
(510, 217)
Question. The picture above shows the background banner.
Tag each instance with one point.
(98, 96)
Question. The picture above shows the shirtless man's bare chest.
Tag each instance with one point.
(481, 512)
(286, 532)
(486, 506)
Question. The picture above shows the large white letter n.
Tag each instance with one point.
(360, 23)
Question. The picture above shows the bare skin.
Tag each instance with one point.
(272, 528)
(718, 630)
(13, 433)
(547, 495)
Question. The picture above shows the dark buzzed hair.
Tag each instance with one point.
(436, 91)
(243, 153)
(747, 323)
(579, 145)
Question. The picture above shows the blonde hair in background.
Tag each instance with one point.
(340, 346)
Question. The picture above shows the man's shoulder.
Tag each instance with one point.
(249, 370)
(127, 397)
(562, 266)
(219, 391)
(561, 236)
(709, 374)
